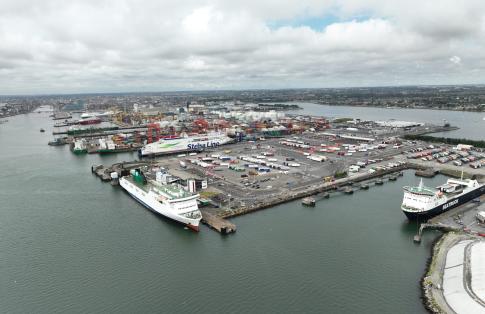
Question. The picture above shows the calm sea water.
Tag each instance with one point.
(70, 243)
(471, 124)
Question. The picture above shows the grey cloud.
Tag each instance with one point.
(127, 45)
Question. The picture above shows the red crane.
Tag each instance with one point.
(153, 132)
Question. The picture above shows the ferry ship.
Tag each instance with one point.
(182, 144)
(169, 200)
(421, 203)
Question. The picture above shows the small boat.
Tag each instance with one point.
(364, 187)
(349, 190)
(42, 130)
(392, 178)
(57, 142)
(379, 182)
(308, 201)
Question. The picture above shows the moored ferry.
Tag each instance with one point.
(161, 197)
(421, 203)
(182, 144)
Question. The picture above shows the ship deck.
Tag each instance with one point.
(170, 191)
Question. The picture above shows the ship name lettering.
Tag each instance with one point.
(450, 204)
(203, 145)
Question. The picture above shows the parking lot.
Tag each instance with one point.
(248, 172)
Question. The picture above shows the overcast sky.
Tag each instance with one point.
(59, 46)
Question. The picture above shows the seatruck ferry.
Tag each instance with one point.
(421, 203)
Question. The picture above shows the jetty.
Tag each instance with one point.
(426, 173)
(221, 225)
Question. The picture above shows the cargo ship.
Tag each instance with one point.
(421, 203)
(91, 120)
(79, 147)
(173, 145)
(162, 197)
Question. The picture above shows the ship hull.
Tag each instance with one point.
(90, 121)
(158, 208)
(449, 204)
(181, 145)
(171, 152)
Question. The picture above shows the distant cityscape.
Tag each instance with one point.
(460, 98)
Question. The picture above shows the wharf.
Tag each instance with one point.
(426, 173)
(217, 223)
(339, 184)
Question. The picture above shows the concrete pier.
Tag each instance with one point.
(339, 184)
(219, 224)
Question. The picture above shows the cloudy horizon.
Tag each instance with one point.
(89, 46)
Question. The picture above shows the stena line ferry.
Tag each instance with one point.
(421, 203)
(182, 144)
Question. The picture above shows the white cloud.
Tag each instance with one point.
(455, 60)
(127, 45)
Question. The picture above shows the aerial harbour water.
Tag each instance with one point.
(73, 244)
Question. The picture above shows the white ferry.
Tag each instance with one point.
(169, 200)
(182, 144)
(421, 203)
